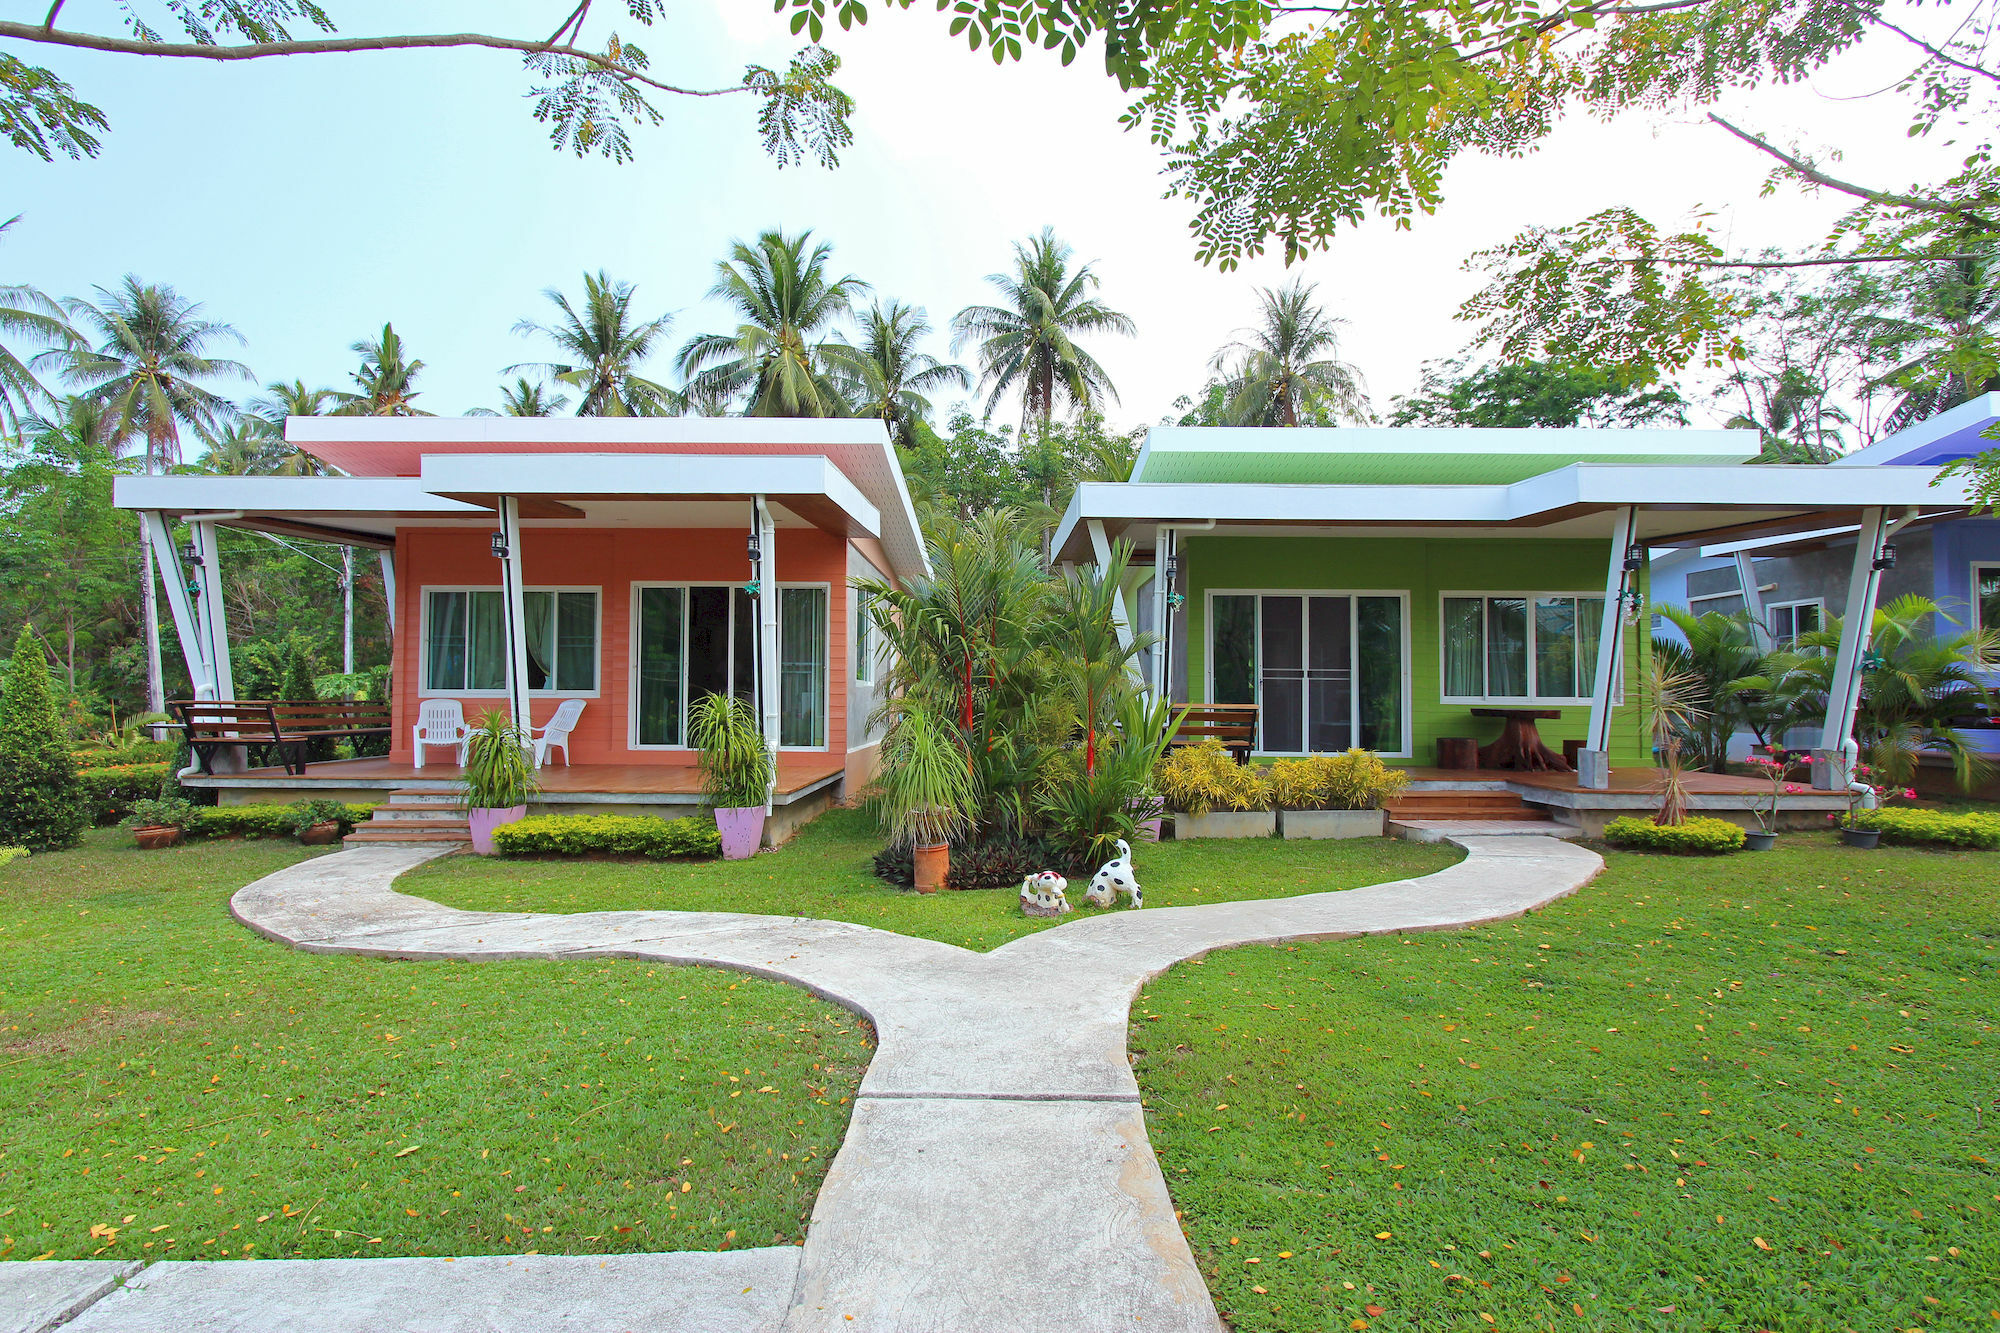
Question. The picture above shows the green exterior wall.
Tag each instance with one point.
(1425, 568)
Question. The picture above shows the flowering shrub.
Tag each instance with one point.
(1937, 827)
(1777, 766)
(1854, 797)
(692, 837)
(1196, 779)
(1698, 835)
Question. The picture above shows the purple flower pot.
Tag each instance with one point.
(482, 821)
(742, 828)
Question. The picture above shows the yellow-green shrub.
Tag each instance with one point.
(1196, 779)
(1355, 780)
(1696, 836)
(694, 836)
(1941, 827)
(263, 820)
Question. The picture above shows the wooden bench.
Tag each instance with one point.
(285, 725)
(1235, 725)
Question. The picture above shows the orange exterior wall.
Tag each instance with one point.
(610, 560)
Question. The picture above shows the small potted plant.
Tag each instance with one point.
(735, 770)
(158, 823)
(1776, 764)
(1852, 832)
(318, 823)
(927, 792)
(499, 778)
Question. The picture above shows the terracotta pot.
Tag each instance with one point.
(1759, 840)
(933, 863)
(321, 835)
(155, 836)
(1861, 837)
(742, 828)
(481, 821)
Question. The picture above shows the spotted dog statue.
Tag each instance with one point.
(1043, 894)
(1113, 878)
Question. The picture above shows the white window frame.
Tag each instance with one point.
(424, 642)
(865, 635)
(1771, 610)
(632, 656)
(826, 658)
(1257, 680)
(1531, 699)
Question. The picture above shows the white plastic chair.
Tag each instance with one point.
(440, 722)
(555, 735)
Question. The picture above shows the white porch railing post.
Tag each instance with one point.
(1753, 601)
(767, 638)
(213, 612)
(513, 595)
(1833, 761)
(160, 537)
(1594, 763)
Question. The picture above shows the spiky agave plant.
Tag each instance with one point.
(1670, 709)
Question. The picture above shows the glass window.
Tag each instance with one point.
(1511, 647)
(662, 619)
(1986, 596)
(802, 666)
(864, 639)
(1326, 670)
(465, 646)
(1235, 650)
(1379, 648)
(1789, 620)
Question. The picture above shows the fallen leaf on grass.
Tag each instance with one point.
(1374, 1311)
(405, 1152)
(1760, 1242)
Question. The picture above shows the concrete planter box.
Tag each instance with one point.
(1226, 824)
(1334, 823)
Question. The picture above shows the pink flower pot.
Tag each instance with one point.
(742, 828)
(483, 821)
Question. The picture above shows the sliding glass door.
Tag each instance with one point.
(1325, 669)
(689, 642)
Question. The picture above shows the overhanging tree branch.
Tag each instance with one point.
(1824, 262)
(1955, 208)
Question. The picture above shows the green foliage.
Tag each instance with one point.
(107, 793)
(499, 765)
(285, 666)
(601, 342)
(1697, 835)
(9, 854)
(1355, 780)
(1938, 827)
(40, 805)
(163, 812)
(1289, 371)
(971, 469)
(1531, 394)
(997, 862)
(265, 819)
(140, 752)
(690, 838)
(735, 762)
(783, 359)
(895, 374)
(303, 815)
(1196, 779)
(926, 791)
(1087, 813)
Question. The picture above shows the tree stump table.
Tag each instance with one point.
(1520, 745)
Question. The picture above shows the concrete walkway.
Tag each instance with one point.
(995, 1174)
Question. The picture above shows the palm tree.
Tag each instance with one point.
(525, 398)
(147, 368)
(1289, 366)
(26, 313)
(1030, 342)
(1948, 335)
(385, 383)
(244, 448)
(783, 355)
(895, 374)
(602, 347)
(279, 402)
(1727, 678)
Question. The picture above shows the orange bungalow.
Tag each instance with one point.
(595, 575)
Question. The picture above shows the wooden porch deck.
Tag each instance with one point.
(1626, 780)
(798, 775)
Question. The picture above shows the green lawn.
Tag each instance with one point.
(826, 872)
(172, 1085)
(1701, 1094)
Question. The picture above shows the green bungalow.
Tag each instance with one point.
(1432, 594)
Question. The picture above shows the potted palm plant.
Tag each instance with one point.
(927, 793)
(735, 770)
(158, 823)
(499, 778)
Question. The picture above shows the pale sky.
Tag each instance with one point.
(307, 201)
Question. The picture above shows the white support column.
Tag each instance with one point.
(1163, 554)
(1753, 601)
(1594, 763)
(767, 639)
(213, 612)
(388, 560)
(347, 610)
(1833, 761)
(513, 596)
(160, 536)
(1100, 549)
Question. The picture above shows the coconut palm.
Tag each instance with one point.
(1029, 343)
(246, 447)
(26, 314)
(1288, 367)
(783, 359)
(1730, 678)
(280, 402)
(1950, 335)
(385, 386)
(525, 398)
(895, 374)
(148, 368)
(601, 345)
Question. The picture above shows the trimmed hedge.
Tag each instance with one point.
(1940, 828)
(140, 752)
(108, 793)
(689, 838)
(1697, 836)
(258, 821)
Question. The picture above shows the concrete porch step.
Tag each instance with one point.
(1437, 830)
(414, 816)
(1462, 805)
(406, 833)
